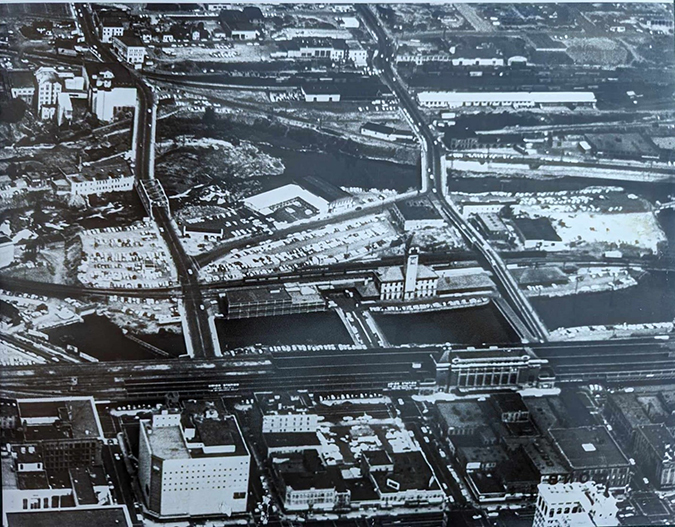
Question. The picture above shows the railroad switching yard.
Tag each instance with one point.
(333, 264)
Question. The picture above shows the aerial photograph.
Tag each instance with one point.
(337, 264)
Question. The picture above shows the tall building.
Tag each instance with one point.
(407, 283)
(110, 89)
(52, 84)
(574, 504)
(193, 462)
(411, 265)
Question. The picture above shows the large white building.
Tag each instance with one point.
(193, 462)
(285, 415)
(450, 99)
(575, 504)
(414, 281)
(113, 180)
(55, 88)
(130, 49)
(110, 89)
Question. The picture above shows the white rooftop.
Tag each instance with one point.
(561, 97)
(266, 202)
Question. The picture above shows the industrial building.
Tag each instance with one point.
(448, 99)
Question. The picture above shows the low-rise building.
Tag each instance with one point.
(406, 481)
(285, 413)
(591, 454)
(567, 504)
(493, 226)
(193, 462)
(6, 251)
(538, 234)
(94, 181)
(510, 407)
(21, 85)
(110, 89)
(272, 301)
(108, 516)
(386, 133)
(415, 214)
(448, 99)
(320, 93)
(130, 49)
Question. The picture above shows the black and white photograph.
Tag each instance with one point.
(337, 264)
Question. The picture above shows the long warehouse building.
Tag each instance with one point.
(448, 99)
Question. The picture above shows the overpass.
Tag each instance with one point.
(198, 338)
(434, 177)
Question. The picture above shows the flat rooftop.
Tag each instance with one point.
(111, 516)
(77, 416)
(166, 442)
(419, 209)
(588, 446)
(536, 229)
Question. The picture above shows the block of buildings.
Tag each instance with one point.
(110, 89)
(405, 480)
(306, 483)
(591, 454)
(193, 462)
(654, 450)
(285, 413)
(66, 432)
(625, 414)
(568, 504)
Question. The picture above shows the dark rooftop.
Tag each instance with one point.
(588, 446)
(411, 472)
(69, 418)
(121, 76)
(536, 229)
(113, 516)
(418, 209)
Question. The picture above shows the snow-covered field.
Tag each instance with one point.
(635, 229)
